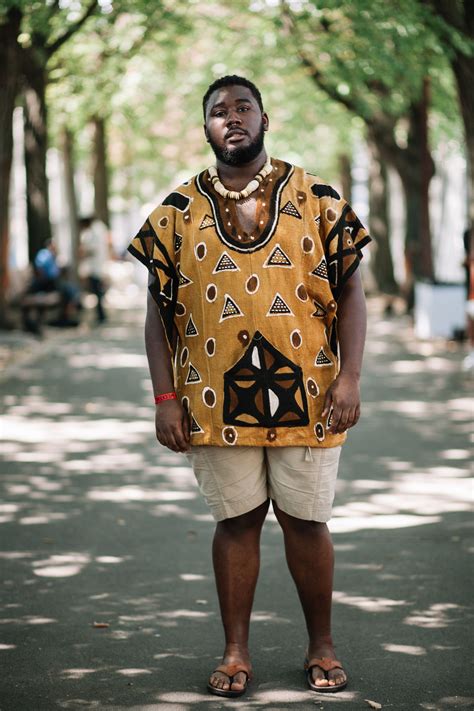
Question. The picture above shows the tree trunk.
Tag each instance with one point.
(345, 176)
(101, 177)
(36, 144)
(463, 68)
(9, 85)
(416, 167)
(379, 223)
(68, 159)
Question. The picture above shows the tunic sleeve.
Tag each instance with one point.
(343, 236)
(154, 246)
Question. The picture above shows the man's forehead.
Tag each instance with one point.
(232, 93)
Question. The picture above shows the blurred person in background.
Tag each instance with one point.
(249, 261)
(93, 255)
(49, 277)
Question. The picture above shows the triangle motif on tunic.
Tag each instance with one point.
(207, 221)
(191, 329)
(230, 309)
(322, 359)
(279, 307)
(193, 375)
(183, 280)
(278, 258)
(290, 209)
(320, 310)
(178, 241)
(195, 426)
(321, 270)
(225, 264)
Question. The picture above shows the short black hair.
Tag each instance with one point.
(232, 80)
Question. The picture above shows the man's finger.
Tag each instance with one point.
(327, 403)
(336, 416)
(179, 437)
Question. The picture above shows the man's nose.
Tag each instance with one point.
(233, 117)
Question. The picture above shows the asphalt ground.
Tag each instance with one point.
(108, 597)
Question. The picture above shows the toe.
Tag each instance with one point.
(336, 677)
(239, 682)
(318, 677)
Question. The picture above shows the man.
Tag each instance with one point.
(48, 277)
(94, 252)
(249, 262)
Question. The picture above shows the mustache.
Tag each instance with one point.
(233, 131)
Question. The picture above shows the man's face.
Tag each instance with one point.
(235, 125)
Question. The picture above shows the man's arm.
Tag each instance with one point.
(344, 393)
(171, 419)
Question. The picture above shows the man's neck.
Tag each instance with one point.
(237, 177)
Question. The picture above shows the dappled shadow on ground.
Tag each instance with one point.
(108, 598)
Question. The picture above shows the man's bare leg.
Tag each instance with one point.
(310, 557)
(236, 557)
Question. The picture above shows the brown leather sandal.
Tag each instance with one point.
(231, 670)
(326, 665)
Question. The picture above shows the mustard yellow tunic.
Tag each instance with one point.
(250, 318)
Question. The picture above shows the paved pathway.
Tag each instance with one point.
(99, 525)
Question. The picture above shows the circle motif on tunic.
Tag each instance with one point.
(210, 346)
(312, 387)
(201, 251)
(252, 284)
(301, 292)
(307, 244)
(209, 397)
(229, 435)
(185, 402)
(330, 214)
(244, 337)
(295, 338)
(180, 309)
(184, 356)
(164, 221)
(319, 431)
(211, 292)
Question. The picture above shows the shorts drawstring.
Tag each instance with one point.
(308, 457)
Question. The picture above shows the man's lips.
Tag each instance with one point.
(235, 132)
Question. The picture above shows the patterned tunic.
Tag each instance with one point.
(250, 318)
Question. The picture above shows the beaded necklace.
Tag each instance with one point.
(251, 187)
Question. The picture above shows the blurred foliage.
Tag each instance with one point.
(144, 66)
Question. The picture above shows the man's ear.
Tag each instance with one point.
(266, 121)
(206, 133)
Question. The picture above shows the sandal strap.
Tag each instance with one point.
(323, 663)
(231, 670)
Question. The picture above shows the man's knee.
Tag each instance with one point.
(291, 524)
(247, 522)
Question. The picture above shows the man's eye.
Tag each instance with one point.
(243, 108)
(219, 113)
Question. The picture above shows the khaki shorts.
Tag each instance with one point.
(235, 480)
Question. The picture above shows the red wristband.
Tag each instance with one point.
(165, 396)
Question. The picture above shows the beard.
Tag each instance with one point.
(237, 155)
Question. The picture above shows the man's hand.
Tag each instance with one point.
(172, 425)
(344, 398)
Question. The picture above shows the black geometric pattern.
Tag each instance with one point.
(279, 307)
(195, 426)
(225, 264)
(342, 261)
(193, 375)
(320, 311)
(230, 309)
(321, 270)
(278, 258)
(178, 242)
(324, 191)
(264, 389)
(178, 201)
(164, 287)
(290, 209)
(183, 280)
(322, 359)
(207, 221)
(191, 329)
